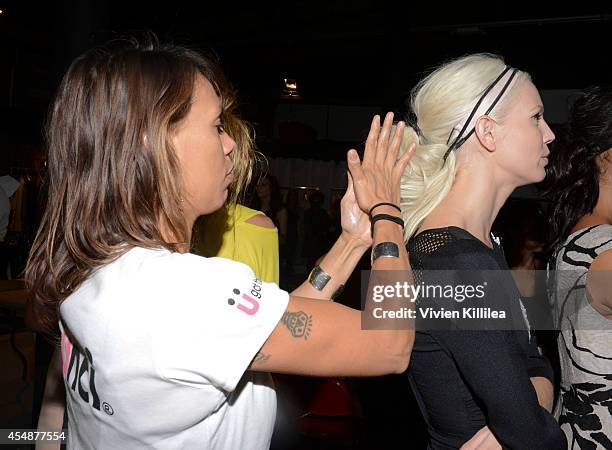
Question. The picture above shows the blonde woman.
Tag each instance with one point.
(479, 132)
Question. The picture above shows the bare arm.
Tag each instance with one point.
(317, 337)
(544, 390)
(321, 338)
(346, 252)
(51, 416)
(599, 284)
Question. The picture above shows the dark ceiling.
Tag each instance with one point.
(341, 52)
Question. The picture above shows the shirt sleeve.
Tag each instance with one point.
(494, 367)
(537, 364)
(213, 320)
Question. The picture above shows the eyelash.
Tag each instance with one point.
(538, 116)
(220, 128)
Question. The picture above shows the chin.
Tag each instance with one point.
(534, 177)
(214, 206)
(541, 174)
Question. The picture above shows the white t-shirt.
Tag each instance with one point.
(155, 347)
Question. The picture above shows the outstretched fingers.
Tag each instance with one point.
(402, 163)
(372, 140)
(382, 146)
(396, 143)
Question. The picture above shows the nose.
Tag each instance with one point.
(548, 134)
(228, 144)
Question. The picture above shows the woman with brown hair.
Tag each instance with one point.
(155, 342)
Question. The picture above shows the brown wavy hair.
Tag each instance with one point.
(113, 177)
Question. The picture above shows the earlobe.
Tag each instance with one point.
(484, 131)
(605, 162)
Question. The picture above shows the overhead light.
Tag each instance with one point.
(290, 89)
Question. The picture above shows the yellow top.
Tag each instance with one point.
(253, 245)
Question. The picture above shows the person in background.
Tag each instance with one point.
(8, 187)
(580, 184)
(241, 234)
(317, 224)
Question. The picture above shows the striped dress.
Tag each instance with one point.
(585, 344)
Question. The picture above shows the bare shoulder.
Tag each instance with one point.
(261, 220)
(599, 283)
(603, 261)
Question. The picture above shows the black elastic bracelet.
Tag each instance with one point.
(384, 204)
(339, 291)
(389, 217)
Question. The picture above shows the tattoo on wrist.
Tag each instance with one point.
(299, 323)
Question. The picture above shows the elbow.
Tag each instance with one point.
(388, 364)
(554, 439)
(402, 364)
(543, 435)
(390, 352)
(401, 351)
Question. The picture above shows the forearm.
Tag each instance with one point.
(339, 264)
(387, 231)
(393, 333)
(51, 416)
(544, 390)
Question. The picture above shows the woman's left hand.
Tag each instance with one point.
(355, 223)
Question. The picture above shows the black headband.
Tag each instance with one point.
(460, 139)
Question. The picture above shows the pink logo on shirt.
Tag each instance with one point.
(66, 352)
(252, 306)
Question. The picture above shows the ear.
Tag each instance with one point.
(604, 162)
(484, 131)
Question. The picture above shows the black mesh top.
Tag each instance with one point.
(464, 380)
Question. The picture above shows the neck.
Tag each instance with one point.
(168, 236)
(602, 213)
(473, 202)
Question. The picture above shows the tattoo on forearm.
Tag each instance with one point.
(299, 323)
(260, 358)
